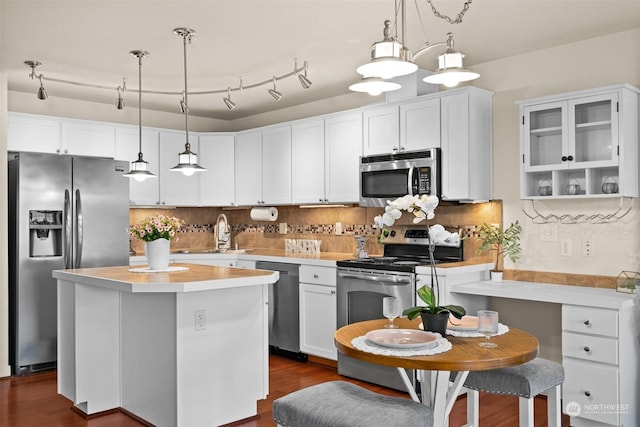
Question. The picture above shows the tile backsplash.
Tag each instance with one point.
(314, 224)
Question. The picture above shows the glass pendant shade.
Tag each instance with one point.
(139, 170)
(450, 70)
(374, 86)
(188, 162)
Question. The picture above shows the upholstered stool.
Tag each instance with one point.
(342, 404)
(526, 381)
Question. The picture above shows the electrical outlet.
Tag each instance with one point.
(565, 247)
(587, 247)
(548, 233)
(338, 228)
(200, 318)
(282, 228)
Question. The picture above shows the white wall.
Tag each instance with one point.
(590, 63)
(4, 262)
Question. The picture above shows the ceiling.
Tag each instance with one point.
(90, 40)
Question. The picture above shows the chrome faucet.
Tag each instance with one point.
(221, 233)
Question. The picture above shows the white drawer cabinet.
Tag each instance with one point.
(599, 354)
(318, 311)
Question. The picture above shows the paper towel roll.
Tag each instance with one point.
(264, 214)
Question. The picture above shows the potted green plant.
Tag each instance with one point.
(434, 316)
(503, 242)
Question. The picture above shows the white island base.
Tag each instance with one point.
(142, 343)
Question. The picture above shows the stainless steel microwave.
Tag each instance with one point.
(389, 176)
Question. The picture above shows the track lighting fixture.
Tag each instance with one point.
(187, 160)
(227, 101)
(304, 80)
(301, 73)
(273, 92)
(391, 58)
(139, 168)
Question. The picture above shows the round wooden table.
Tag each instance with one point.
(514, 348)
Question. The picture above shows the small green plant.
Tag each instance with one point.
(504, 242)
(427, 295)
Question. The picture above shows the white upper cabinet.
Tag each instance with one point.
(573, 144)
(381, 130)
(420, 124)
(466, 138)
(176, 189)
(343, 148)
(82, 138)
(147, 192)
(42, 134)
(248, 170)
(217, 151)
(276, 165)
(308, 163)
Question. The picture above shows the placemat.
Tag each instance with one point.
(148, 270)
(362, 344)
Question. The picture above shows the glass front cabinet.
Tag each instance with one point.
(580, 144)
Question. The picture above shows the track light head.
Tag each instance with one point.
(273, 92)
(304, 81)
(42, 94)
(120, 104)
(227, 101)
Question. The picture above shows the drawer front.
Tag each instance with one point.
(318, 275)
(594, 387)
(589, 320)
(588, 347)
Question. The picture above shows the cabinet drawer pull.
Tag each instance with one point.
(315, 276)
(587, 349)
(587, 322)
(587, 393)
(333, 292)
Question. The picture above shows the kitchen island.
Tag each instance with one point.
(182, 348)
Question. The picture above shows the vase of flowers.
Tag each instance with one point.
(157, 232)
(434, 316)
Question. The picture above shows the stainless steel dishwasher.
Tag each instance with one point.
(284, 307)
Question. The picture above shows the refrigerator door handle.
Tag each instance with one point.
(67, 230)
(79, 226)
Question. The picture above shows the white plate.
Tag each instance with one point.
(402, 338)
(467, 323)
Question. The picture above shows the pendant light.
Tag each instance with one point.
(187, 160)
(139, 168)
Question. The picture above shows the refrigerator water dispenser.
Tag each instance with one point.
(45, 233)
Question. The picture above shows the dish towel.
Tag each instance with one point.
(361, 343)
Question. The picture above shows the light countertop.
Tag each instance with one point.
(196, 278)
(543, 292)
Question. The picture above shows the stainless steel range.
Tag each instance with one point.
(363, 283)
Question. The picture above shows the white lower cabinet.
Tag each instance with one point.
(600, 357)
(318, 311)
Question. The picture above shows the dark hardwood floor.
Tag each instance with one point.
(32, 401)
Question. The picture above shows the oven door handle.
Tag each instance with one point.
(401, 280)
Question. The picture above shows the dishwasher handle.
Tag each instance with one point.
(379, 279)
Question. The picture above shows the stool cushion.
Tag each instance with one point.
(526, 380)
(342, 404)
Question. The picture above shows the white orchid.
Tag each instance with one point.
(422, 207)
(439, 235)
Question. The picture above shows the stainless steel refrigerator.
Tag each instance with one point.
(64, 212)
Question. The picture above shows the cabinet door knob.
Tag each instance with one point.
(333, 292)
(315, 276)
(570, 158)
(587, 393)
(587, 349)
(58, 150)
(66, 151)
(395, 148)
(563, 158)
(587, 322)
